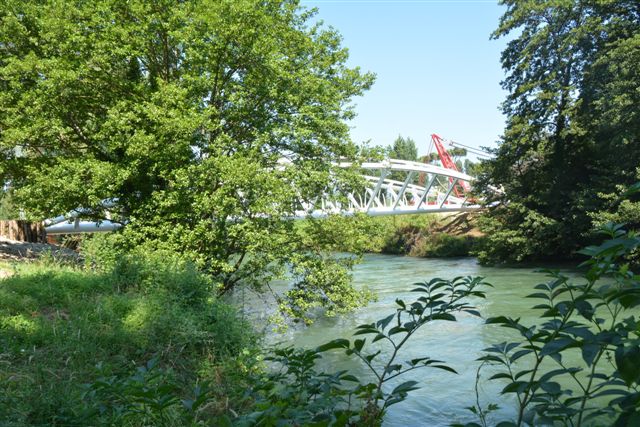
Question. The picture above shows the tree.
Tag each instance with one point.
(571, 131)
(404, 149)
(178, 113)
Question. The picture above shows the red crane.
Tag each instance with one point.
(448, 163)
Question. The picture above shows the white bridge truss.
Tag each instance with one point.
(382, 196)
(402, 196)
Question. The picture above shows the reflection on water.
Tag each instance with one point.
(443, 396)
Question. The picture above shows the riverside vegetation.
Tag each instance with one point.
(141, 340)
(178, 113)
(118, 344)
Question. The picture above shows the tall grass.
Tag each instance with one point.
(64, 329)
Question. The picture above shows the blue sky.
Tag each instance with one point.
(437, 71)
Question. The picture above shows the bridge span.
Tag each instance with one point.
(417, 188)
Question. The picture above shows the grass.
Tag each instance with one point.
(66, 331)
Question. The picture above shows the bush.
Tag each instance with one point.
(101, 251)
(515, 233)
(595, 317)
(8, 210)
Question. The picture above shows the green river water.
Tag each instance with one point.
(443, 396)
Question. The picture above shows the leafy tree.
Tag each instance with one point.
(178, 114)
(404, 149)
(571, 131)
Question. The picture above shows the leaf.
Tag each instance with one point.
(366, 331)
(491, 358)
(473, 312)
(585, 309)
(397, 330)
(383, 323)
(350, 377)
(358, 344)
(518, 354)
(628, 363)
(500, 375)
(589, 352)
(378, 337)
(538, 295)
(557, 345)
(392, 368)
(555, 372)
(510, 346)
(372, 356)
(551, 387)
(501, 320)
(443, 316)
(445, 368)
(515, 387)
(414, 362)
(405, 387)
(337, 343)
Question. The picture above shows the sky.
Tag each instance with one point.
(437, 70)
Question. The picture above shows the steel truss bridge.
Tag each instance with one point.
(418, 188)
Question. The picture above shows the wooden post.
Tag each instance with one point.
(23, 231)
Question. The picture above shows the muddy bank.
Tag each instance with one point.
(453, 235)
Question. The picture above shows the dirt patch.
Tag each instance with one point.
(14, 250)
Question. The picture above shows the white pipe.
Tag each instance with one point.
(82, 227)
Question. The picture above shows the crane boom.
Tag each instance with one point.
(448, 163)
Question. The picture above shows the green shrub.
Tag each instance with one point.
(164, 272)
(101, 251)
(515, 233)
(595, 317)
(418, 235)
(297, 394)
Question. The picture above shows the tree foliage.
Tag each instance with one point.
(179, 113)
(572, 128)
(404, 149)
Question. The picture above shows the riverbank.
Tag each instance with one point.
(430, 235)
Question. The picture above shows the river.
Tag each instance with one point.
(443, 396)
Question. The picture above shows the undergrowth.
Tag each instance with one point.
(146, 330)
